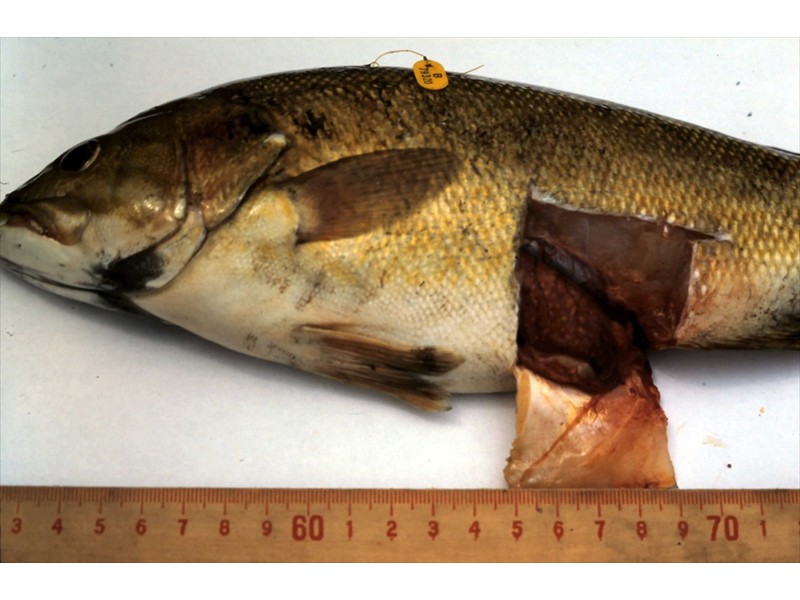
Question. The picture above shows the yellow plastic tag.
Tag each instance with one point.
(430, 74)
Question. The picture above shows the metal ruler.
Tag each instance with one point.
(164, 524)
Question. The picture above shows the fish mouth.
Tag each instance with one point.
(26, 219)
(39, 243)
(60, 219)
(20, 218)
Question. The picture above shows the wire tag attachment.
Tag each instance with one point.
(429, 73)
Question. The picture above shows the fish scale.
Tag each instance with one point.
(649, 166)
(353, 224)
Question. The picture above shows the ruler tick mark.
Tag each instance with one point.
(733, 507)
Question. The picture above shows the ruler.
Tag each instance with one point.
(320, 525)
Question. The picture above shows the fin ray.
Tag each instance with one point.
(398, 369)
(357, 194)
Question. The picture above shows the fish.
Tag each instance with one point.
(145, 276)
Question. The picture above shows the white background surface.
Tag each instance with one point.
(89, 397)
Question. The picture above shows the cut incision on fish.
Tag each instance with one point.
(595, 292)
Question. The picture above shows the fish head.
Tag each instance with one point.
(124, 212)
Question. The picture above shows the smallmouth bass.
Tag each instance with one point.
(313, 332)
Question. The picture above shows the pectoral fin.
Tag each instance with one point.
(397, 369)
(355, 195)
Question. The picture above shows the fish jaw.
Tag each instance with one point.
(30, 255)
(82, 271)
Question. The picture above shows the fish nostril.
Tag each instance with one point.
(81, 156)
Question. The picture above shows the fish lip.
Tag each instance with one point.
(23, 219)
(37, 219)
(19, 214)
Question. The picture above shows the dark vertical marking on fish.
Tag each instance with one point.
(313, 124)
(252, 121)
(131, 274)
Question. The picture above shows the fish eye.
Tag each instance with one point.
(81, 156)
